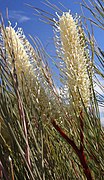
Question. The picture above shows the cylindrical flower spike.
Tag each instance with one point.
(27, 60)
(16, 52)
(72, 49)
(29, 66)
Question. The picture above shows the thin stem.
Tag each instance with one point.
(78, 152)
(3, 170)
(81, 133)
(21, 110)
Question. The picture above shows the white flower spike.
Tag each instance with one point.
(72, 52)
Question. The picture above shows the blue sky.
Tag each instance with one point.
(23, 15)
(19, 12)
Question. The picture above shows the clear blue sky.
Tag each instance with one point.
(19, 12)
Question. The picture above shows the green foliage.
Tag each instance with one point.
(41, 136)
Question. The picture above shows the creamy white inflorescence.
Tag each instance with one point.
(27, 60)
(16, 51)
(73, 54)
